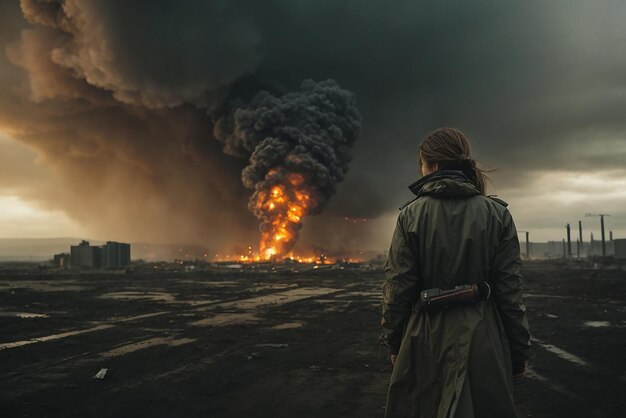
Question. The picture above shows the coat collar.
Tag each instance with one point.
(447, 183)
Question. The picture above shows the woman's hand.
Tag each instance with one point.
(394, 357)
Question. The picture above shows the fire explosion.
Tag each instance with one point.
(298, 148)
(282, 208)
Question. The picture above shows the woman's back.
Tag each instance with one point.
(453, 231)
(455, 360)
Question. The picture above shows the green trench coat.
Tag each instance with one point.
(455, 362)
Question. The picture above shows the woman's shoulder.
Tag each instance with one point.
(422, 205)
(495, 198)
(418, 201)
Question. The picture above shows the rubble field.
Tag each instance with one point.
(246, 344)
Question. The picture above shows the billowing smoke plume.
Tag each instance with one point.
(113, 95)
(122, 101)
(298, 147)
(139, 52)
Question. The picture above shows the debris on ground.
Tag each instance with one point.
(271, 345)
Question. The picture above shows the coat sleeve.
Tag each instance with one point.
(399, 289)
(508, 289)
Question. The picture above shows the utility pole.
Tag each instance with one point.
(527, 245)
(580, 233)
(603, 240)
(577, 248)
(569, 241)
(601, 215)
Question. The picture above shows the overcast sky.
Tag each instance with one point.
(106, 127)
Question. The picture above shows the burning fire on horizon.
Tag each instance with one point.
(294, 142)
(282, 210)
(306, 255)
(298, 148)
(304, 259)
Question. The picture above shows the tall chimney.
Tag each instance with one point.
(569, 241)
(603, 241)
(580, 232)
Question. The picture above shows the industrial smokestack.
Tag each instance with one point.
(580, 232)
(580, 235)
(603, 240)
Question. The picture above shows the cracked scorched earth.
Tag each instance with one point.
(236, 344)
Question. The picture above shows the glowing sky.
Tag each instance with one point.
(106, 128)
(19, 216)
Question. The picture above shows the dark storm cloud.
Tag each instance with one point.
(156, 54)
(123, 170)
(536, 85)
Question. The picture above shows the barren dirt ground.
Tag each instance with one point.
(269, 345)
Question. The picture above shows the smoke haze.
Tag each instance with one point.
(113, 97)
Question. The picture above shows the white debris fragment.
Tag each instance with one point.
(271, 345)
(101, 374)
(597, 324)
(560, 352)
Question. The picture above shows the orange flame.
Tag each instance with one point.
(283, 208)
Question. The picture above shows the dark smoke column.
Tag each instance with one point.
(298, 147)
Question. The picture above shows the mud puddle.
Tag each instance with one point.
(44, 286)
(130, 296)
(226, 319)
(597, 324)
(53, 337)
(24, 315)
(141, 345)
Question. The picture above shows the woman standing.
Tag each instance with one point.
(456, 358)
